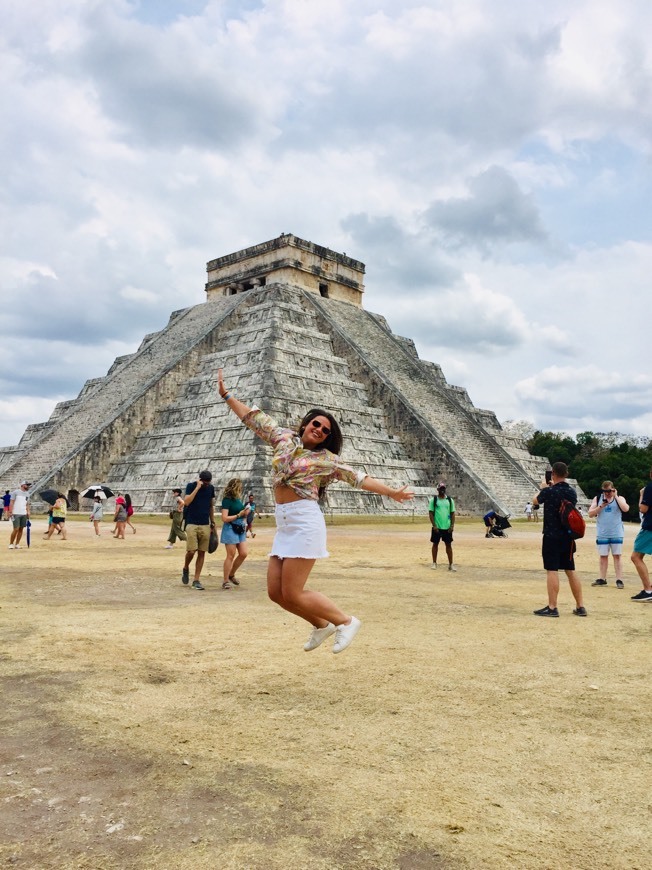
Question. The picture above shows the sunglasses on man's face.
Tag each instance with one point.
(608, 490)
(317, 425)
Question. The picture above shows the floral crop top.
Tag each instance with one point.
(304, 471)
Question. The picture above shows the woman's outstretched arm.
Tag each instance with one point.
(239, 408)
(370, 484)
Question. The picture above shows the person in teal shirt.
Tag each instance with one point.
(442, 517)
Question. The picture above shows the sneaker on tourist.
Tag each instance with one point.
(168, 546)
(620, 584)
(452, 568)
(643, 595)
(318, 636)
(434, 566)
(580, 611)
(546, 611)
(11, 547)
(599, 582)
(185, 577)
(344, 634)
(197, 585)
(17, 547)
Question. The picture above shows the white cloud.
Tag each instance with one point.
(489, 167)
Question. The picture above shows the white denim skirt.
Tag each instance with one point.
(300, 531)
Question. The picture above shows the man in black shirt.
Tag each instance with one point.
(200, 519)
(558, 545)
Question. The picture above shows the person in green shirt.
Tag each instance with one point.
(441, 510)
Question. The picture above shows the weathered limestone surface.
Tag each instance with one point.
(156, 419)
(287, 260)
(429, 417)
(274, 355)
(83, 437)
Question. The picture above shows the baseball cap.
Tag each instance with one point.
(25, 483)
(441, 486)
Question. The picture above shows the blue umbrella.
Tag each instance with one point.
(29, 535)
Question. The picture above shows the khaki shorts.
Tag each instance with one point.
(197, 538)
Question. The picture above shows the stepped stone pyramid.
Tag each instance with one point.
(285, 321)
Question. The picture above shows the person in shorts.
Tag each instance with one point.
(305, 460)
(441, 510)
(558, 546)
(199, 502)
(251, 504)
(608, 508)
(58, 524)
(643, 544)
(234, 531)
(19, 513)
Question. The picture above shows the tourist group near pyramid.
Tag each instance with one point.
(285, 321)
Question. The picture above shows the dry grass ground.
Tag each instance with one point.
(145, 725)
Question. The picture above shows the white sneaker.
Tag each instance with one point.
(318, 636)
(17, 547)
(434, 566)
(11, 546)
(452, 568)
(168, 546)
(344, 634)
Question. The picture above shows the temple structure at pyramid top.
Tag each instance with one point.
(287, 260)
(285, 321)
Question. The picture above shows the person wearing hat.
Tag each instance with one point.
(441, 510)
(199, 503)
(19, 513)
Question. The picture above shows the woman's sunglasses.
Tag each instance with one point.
(317, 425)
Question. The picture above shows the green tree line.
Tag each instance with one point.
(594, 456)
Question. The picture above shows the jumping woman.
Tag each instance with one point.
(304, 462)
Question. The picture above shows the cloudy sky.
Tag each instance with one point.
(489, 161)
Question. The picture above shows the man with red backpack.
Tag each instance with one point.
(558, 546)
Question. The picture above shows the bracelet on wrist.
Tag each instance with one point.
(226, 396)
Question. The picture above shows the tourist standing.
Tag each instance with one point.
(251, 516)
(199, 502)
(608, 508)
(130, 512)
(558, 546)
(120, 517)
(304, 462)
(234, 531)
(528, 511)
(19, 513)
(441, 510)
(643, 543)
(97, 514)
(6, 501)
(176, 515)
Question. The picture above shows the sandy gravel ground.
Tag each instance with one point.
(145, 725)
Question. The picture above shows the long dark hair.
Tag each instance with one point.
(334, 441)
(127, 500)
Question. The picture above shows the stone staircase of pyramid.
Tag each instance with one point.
(270, 346)
(409, 391)
(112, 410)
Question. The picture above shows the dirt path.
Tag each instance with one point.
(145, 725)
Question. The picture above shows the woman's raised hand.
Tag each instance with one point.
(402, 494)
